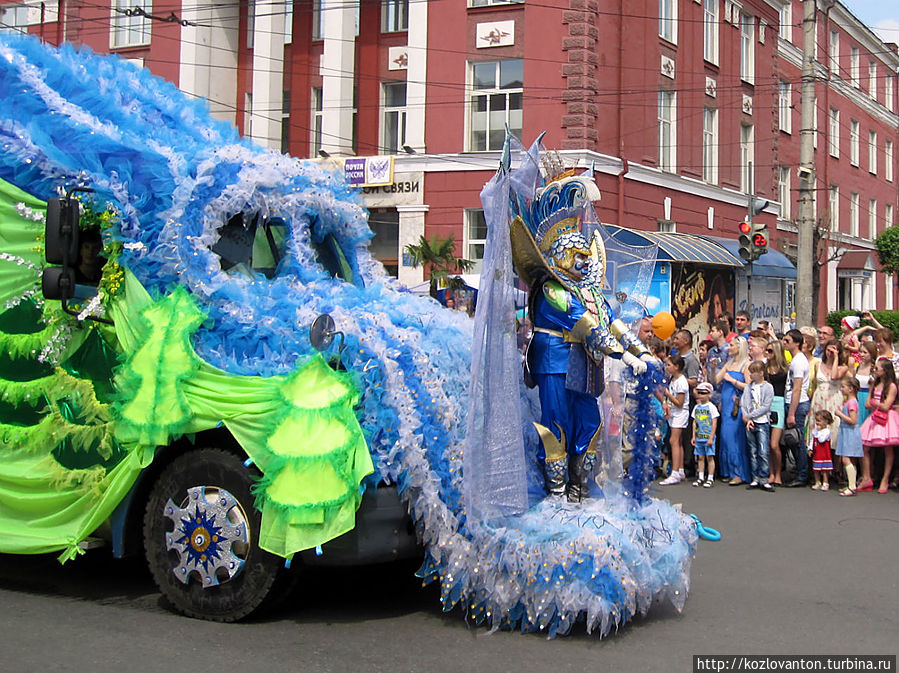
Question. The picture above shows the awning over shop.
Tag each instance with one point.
(676, 247)
(773, 263)
(856, 259)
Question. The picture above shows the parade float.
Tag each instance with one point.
(179, 404)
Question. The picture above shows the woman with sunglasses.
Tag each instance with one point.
(776, 371)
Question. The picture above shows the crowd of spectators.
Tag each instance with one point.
(759, 409)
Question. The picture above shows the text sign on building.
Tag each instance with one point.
(369, 171)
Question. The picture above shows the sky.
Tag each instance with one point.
(880, 15)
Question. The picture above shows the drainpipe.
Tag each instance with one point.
(621, 174)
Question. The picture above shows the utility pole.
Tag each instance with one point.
(806, 222)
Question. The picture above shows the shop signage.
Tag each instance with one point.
(369, 171)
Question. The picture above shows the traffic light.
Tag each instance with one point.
(61, 247)
(759, 239)
(746, 246)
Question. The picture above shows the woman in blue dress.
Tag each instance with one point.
(733, 461)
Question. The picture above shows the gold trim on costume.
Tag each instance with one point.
(552, 447)
(583, 327)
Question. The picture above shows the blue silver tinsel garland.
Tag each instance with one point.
(175, 175)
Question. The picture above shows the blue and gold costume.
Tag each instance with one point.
(573, 329)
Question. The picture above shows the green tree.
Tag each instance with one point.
(887, 244)
(440, 262)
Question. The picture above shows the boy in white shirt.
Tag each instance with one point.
(705, 421)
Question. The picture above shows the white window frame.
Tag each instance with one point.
(785, 107)
(710, 145)
(710, 29)
(14, 18)
(853, 214)
(854, 67)
(872, 79)
(472, 242)
(487, 3)
(888, 92)
(872, 152)
(888, 216)
(667, 118)
(394, 16)
(834, 52)
(747, 47)
(285, 121)
(834, 119)
(784, 176)
(747, 157)
(316, 103)
(786, 21)
(248, 114)
(130, 31)
(393, 119)
(512, 116)
(854, 135)
(668, 20)
(834, 205)
(318, 20)
(872, 219)
(888, 160)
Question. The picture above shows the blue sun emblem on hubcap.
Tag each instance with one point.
(204, 537)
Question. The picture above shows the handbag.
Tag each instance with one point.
(880, 416)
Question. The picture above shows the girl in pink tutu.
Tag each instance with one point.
(881, 428)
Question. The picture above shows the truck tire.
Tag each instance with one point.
(201, 539)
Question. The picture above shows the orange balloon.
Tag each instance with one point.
(663, 324)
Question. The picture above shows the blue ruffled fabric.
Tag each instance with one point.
(175, 175)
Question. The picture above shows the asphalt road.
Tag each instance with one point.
(797, 572)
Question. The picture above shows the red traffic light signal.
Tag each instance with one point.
(745, 227)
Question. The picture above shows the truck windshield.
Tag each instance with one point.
(247, 246)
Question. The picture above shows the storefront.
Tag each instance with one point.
(855, 281)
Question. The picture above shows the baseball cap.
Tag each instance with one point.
(704, 387)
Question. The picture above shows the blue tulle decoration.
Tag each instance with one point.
(176, 177)
(641, 435)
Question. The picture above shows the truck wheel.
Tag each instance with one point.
(201, 538)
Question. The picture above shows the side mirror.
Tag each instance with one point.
(61, 232)
(58, 282)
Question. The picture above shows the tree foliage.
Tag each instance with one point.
(440, 262)
(887, 244)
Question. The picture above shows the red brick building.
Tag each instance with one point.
(684, 106)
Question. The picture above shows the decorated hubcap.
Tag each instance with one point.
(210, 535)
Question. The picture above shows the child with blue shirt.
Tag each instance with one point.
(705, 420)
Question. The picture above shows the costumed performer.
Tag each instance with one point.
(574, 327)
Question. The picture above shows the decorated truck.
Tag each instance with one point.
(161, 388)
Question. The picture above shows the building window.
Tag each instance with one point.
(786, 22)
(783, 192)
(475, 237)
(248, 115)
(285, 122)
(747, 157)
(853, 214)
(854, 68)
(834, 208)
(496, 100)
(318, 19)
(747, 48)
(872, 79)
(872, 219)
(785, 107)
(14, 19)
(251, 24)
(872, 152)
(668, 20)
(834, 53)
(667, 130)
(888, 215)
(394, 134)
(834, 132)
(710, 30)
(317, 117)
(394, 16)
(710, 145)
(888, 92)
(130, 31)
(853, 142)
(888, 160)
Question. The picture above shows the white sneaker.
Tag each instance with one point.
(674, 478)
